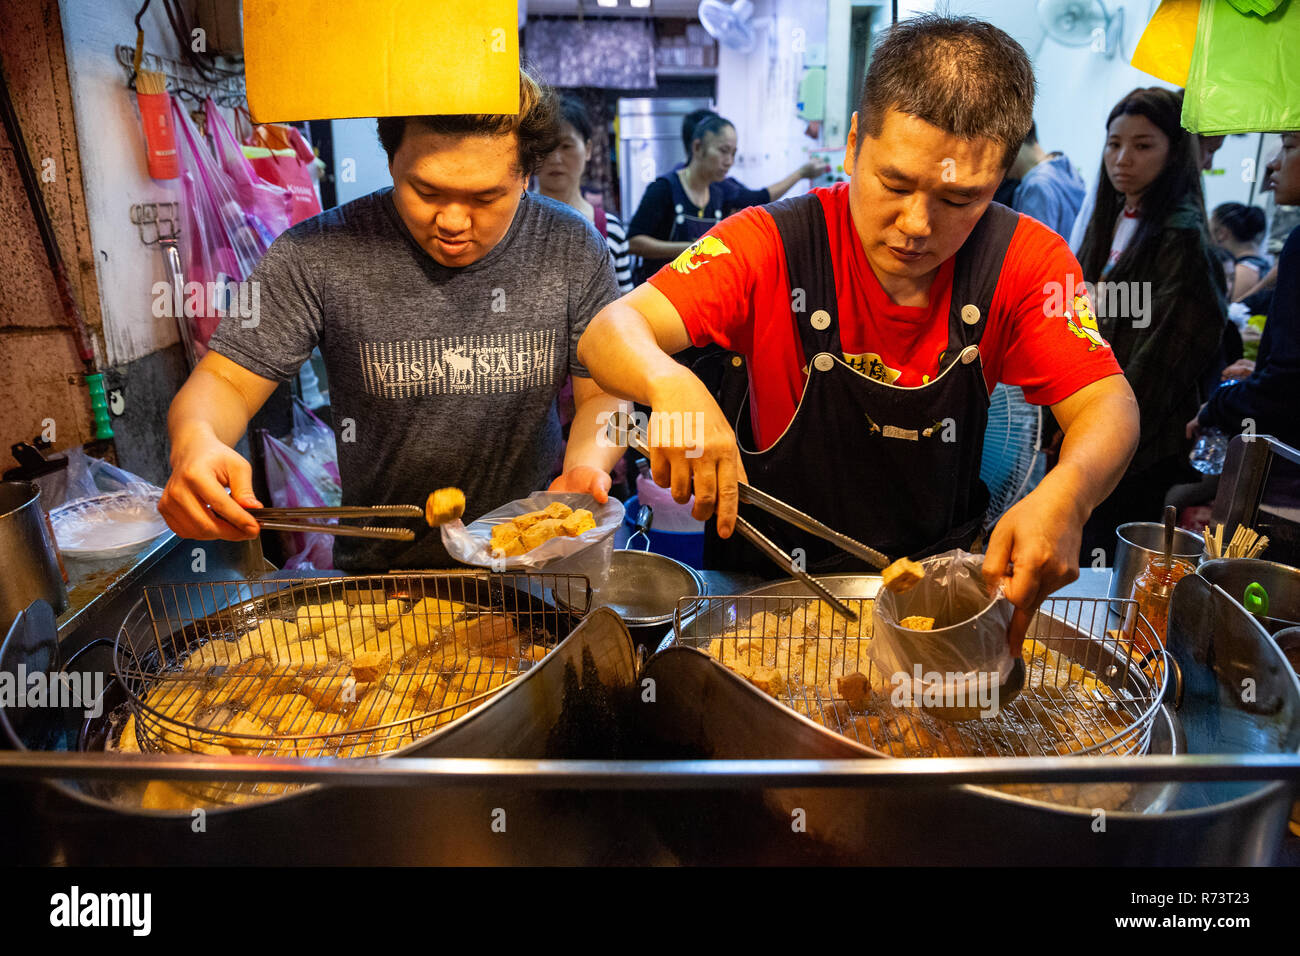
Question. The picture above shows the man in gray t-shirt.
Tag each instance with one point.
(448, 310)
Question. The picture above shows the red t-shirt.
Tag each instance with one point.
(738, 295)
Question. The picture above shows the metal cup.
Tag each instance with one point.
(29, 561)
(1137, 543)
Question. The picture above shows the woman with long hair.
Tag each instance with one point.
(1148, 241)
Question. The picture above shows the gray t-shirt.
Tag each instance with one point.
(438, 377)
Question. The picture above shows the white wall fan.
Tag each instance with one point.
(729, 23)
(1083, 23)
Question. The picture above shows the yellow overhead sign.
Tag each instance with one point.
(334, 59)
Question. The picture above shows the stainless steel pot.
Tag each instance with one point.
(1281, 581)
(29, 557)
(643, 588)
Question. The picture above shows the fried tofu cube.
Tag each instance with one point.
(419, 690)
(535, 652)
(215, 653)
(578, 523)
(480, 675)
(316, 619)
(768, 679)
(439, 610)
(855, 689)
(369, 666)
(488, 635)
(335, 692)
(443, 506)
(266, 637)
(272, 709)
(508, 549)
(918, 622)
(302, 654)
(127, 741)
(351, 637)
(175, 698)
(381, 614)
(245, 735)
(540, 533)
(525, 521)
(161, 795)
(902, 575)
(557, 509)
(506, 531)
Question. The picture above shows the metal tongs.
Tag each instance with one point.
(621, 430)
(283, 519)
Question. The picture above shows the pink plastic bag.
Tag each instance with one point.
(292, 487)
(219, 245)
(267, 206)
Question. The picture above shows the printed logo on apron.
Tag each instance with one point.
(459, 364)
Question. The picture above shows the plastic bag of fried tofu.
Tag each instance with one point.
(945, 633)
(560, 532)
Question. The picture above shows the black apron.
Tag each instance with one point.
(896, 468)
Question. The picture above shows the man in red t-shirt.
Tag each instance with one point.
(873, 318)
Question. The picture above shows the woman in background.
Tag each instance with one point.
(1148, 232)
(683, 205)
(1238, 229)
(560, 178)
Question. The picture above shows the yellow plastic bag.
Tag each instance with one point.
(1165, 49)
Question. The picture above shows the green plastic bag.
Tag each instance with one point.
(1245, 74)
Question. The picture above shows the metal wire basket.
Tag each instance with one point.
(1088, 689)
(338, 667)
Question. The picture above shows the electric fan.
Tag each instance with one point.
(1012, 448)
(1081, 23)
(728, 23)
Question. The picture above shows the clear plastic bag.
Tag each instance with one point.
(267, 206)
(220, 243)
(968, 645)
(87, 477)
(589, 553)
(289, 478)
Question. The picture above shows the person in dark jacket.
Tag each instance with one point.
(1266, 400)
(1160, 295)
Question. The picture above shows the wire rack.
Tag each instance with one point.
(1087, 690)
(329, 667)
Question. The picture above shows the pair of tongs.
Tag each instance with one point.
(622, 431)
(299, 519)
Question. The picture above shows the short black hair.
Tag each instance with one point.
(575, 114)
(963, 75)
(689, 122)
(536, 126)
(1244, 222)
(713, 123)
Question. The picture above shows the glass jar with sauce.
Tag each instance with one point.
(1152, 591)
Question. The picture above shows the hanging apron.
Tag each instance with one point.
(896, 468)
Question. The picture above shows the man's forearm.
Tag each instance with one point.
(650, 248)
(623, 355)
(585, 446)
(207, 403)
(1096, 450)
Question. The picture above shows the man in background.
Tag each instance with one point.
(1050, 189)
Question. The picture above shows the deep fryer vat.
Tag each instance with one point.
(218, 623)
(562, 707)
(1091, 694)
(706, 711)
